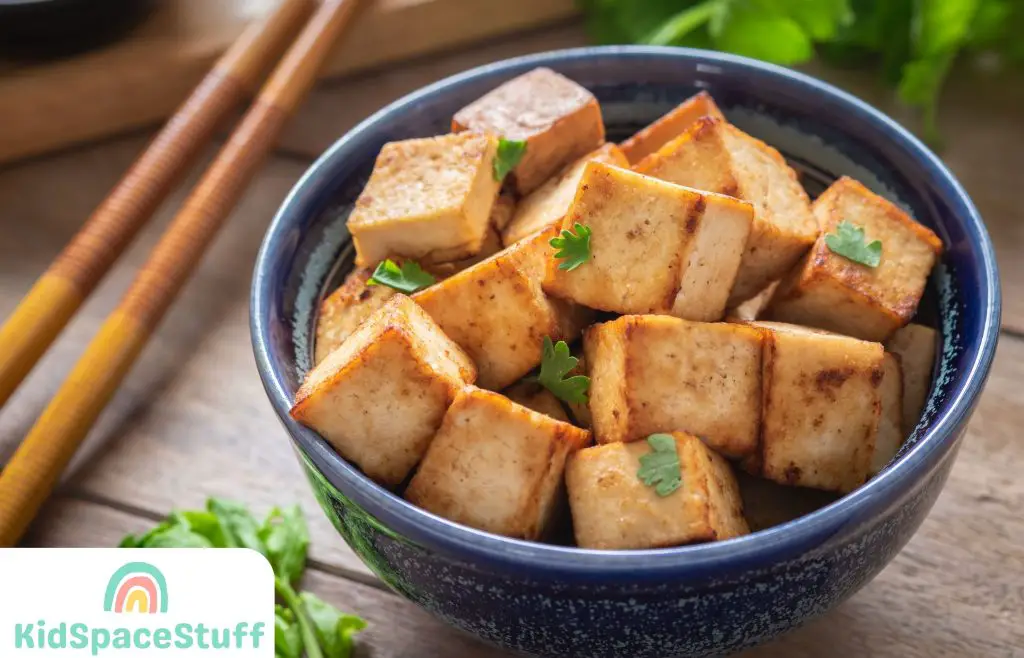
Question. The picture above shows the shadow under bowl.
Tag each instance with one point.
(688, 601)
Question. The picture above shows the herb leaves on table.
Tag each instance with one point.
(303, 623)
(912, 42)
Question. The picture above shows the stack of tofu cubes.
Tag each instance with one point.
(710, 308)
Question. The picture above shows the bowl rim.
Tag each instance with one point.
(799, 537)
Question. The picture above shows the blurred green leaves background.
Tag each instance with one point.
(911, 43)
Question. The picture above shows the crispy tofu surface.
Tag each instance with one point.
(915, 345)
(380, 396)
(346, 308)
(890, 420)
(546, 206)
(669, 126)
(428, 199)
(652, 373)
(559, 120)
(497, 311)
(655, 247)
(832, 292)
(496, 465)
(715, 156)
(821, 407)
(613, 509)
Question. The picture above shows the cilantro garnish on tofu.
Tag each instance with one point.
(849, 242)
(510, 152)
(408, 278)
(660, 467)
(555, 363)
(573, 248)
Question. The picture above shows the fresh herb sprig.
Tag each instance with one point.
(303, 623)
(510, 152)
(407, 278)
(556, 363)
(572, 248)
(660, 467)
(849, 242)
(913, 43)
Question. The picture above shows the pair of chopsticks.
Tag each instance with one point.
(35, 468)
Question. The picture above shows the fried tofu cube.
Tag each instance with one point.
(558, 119)
(655, 247)
(753, 308)
(890, 420)
(579, 412)
(546, 206)
(821, 407)
(669, 126)
(715, 156)
(655, 373)
(428, 199)
(496, 466)
(915, 346)
(830, 291)
(380, 396)
(613, 509)
(497, 311)
(345, 309)
(534, 396)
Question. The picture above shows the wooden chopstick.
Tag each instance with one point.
(72, 277)
(36, 466)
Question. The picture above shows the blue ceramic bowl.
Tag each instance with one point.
(689, 601)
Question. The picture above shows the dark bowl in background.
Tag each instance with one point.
(688, 601)
(35, 29)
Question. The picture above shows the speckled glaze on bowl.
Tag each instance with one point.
(689, 601)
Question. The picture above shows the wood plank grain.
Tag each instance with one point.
(196, 383)
(141, 79)
(396, 628)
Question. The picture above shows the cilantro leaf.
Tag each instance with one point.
(660, 468)
(334, 629)
(303, 624)
(176, 536)
(556, 362)
(287, 637)
(408, 278)
(239, 526)
(574, 248)
(849, 242)
(202, 523)
(287, 540)
(510, 152)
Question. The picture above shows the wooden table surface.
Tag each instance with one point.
(192, 420)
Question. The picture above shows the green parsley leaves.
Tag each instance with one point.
(849, 242)
(408, 278)
(556, 363)
(303, 624)
(573, 248)
(912, 43)
(510, 152)
(660, 467)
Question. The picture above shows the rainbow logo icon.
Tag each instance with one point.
(137, 587)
